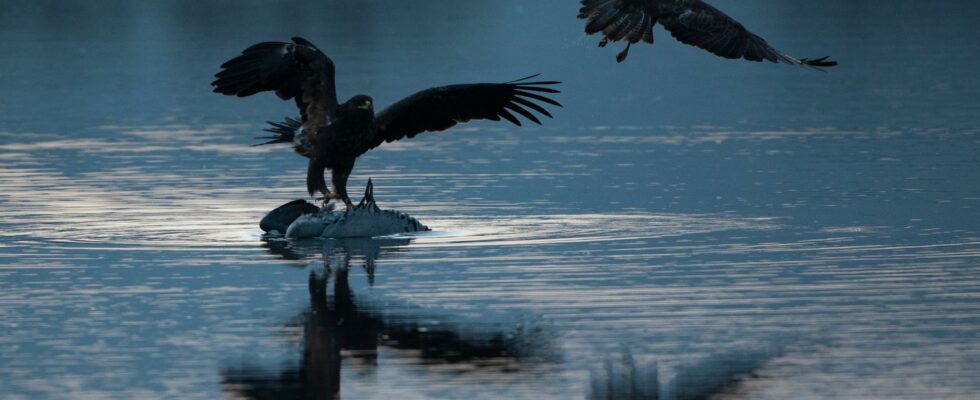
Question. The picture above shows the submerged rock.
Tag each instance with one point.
(364, 220)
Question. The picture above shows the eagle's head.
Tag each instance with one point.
(360, 104)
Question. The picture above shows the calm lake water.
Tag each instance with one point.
(685, 228)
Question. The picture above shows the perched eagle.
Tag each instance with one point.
(332, 135)
(692, 22)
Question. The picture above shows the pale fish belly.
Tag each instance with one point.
(300, 219)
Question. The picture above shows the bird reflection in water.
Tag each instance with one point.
(338, 328)
(718, 376)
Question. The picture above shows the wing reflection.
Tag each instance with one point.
(718, 376)
(340, 330)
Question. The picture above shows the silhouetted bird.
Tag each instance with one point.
(333, 135)
(692, 22)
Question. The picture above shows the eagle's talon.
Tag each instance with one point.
(325, 198)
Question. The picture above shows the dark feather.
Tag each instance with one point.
(282, 132)
(441, 108)
(820, 62)
(315, 182)
(629, 20)
(295, 70)
(692, 22)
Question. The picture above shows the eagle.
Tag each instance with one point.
(332, 135)
(691, 22)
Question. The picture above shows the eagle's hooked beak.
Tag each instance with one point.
(365, 105)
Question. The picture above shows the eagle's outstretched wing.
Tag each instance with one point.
(296, 70)
(630, 20)
(691, 22)
(441, 108)
(699, 24)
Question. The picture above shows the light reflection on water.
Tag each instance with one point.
(655, 240)
(161, 266)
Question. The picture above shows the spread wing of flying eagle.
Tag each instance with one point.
(691, 22)
(333, 135)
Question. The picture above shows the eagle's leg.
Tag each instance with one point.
(315, 182)
(339, 180)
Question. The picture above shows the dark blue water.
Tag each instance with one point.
(686, 227)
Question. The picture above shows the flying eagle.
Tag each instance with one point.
(691, 22)
(332, 135)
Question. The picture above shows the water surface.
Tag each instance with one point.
(684, 228)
